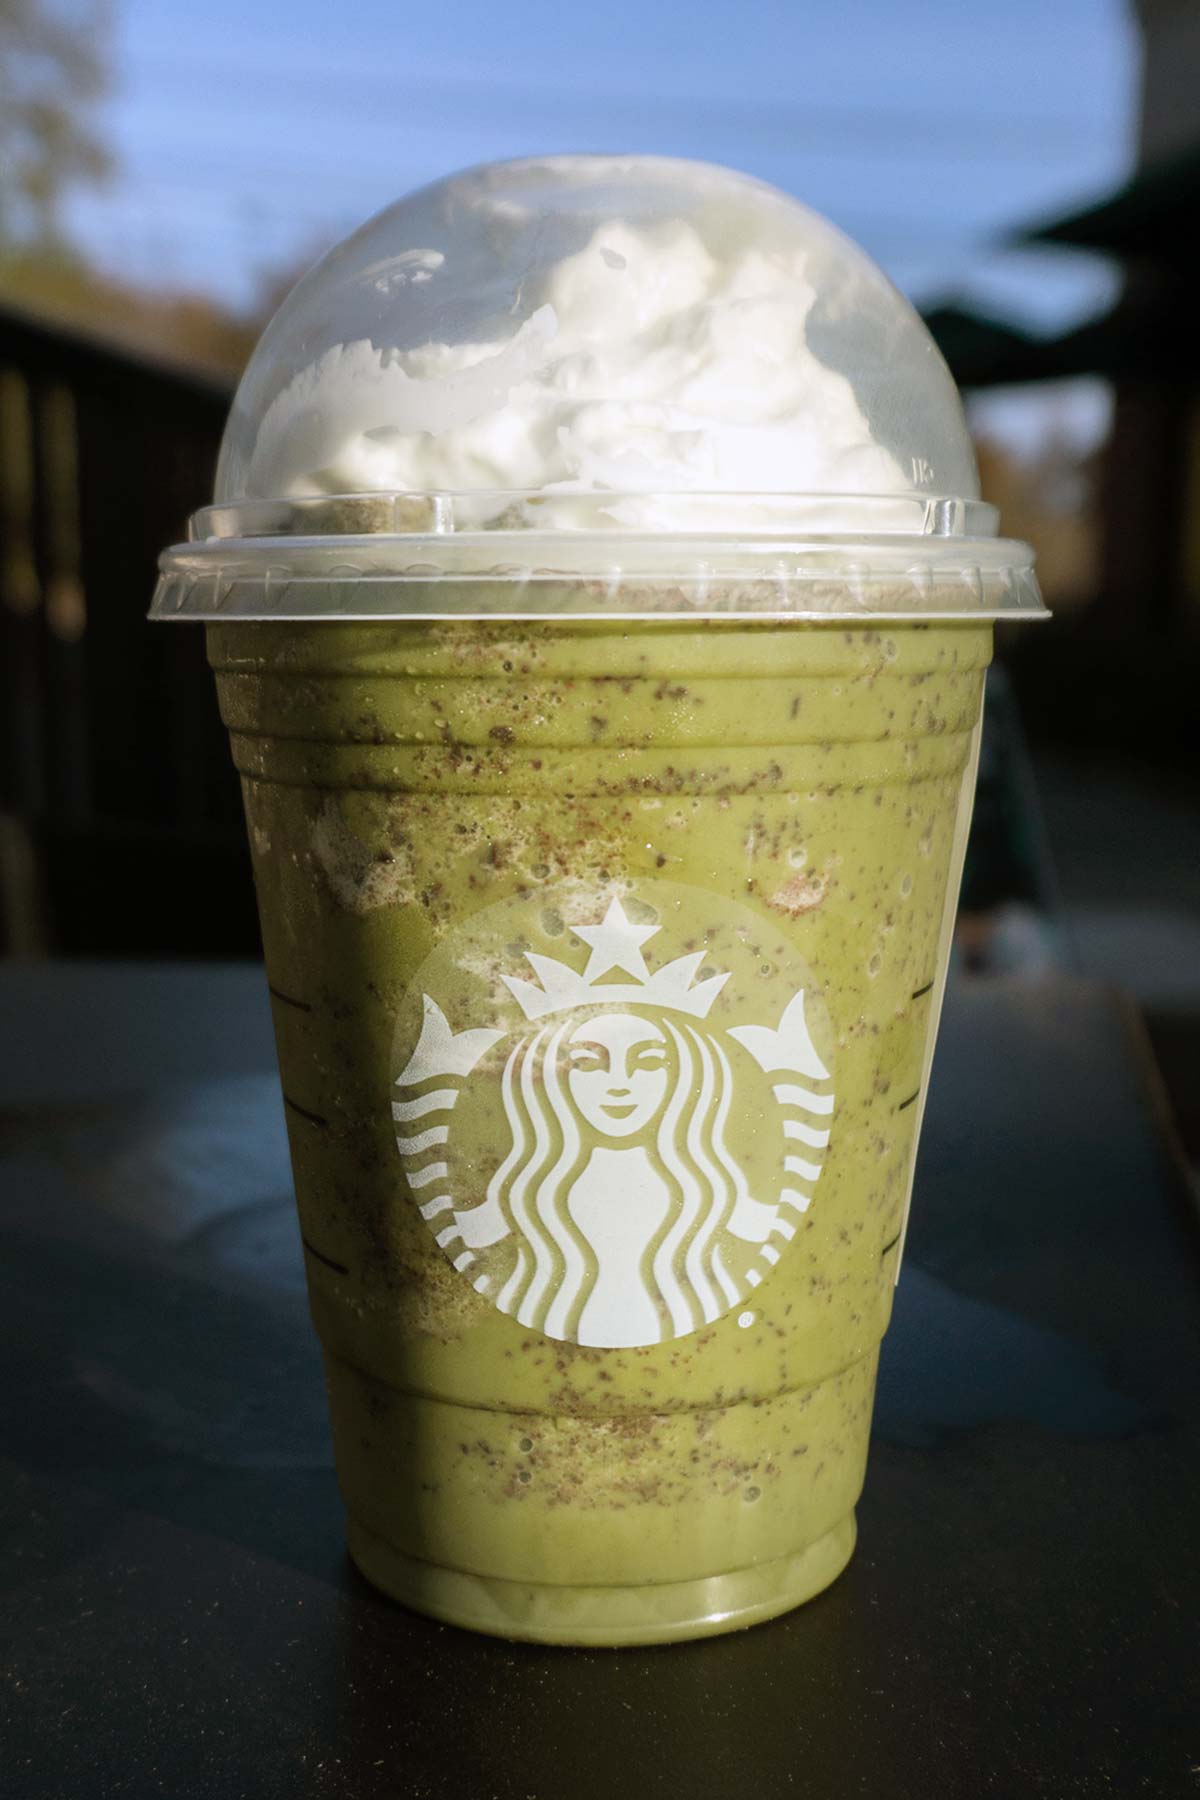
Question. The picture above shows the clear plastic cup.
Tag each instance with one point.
(607, 840)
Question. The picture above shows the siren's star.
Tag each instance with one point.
(616, 943)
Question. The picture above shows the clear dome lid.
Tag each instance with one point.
(600, 326)
(615, 383)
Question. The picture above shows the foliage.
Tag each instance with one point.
(53, 72)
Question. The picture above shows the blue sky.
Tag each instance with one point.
(250, 136)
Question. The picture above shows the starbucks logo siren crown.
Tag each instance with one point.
(597, 1192)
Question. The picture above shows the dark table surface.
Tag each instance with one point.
(178, 1614)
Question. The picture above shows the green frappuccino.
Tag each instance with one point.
(606, 838)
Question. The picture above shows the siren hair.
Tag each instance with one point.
(555, 1268)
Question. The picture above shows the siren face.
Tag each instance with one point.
(618, 1073)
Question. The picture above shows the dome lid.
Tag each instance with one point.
(595, 369)
(595, 324)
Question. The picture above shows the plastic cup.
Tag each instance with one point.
(606, 901)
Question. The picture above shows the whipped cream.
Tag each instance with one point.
(647, 363)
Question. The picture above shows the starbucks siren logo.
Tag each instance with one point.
(627, 1194)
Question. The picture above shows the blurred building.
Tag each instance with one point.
(1170, 121)
(1146, 345)
(1118, 668)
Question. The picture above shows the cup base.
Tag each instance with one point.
(652, 1613)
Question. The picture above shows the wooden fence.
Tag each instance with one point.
(121, 817)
